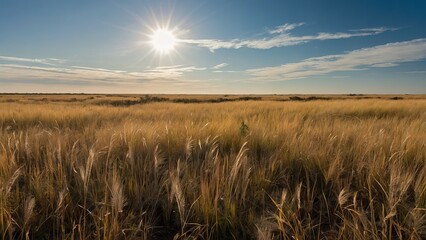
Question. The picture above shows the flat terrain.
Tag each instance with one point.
(212, 166)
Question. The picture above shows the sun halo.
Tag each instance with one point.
(163, 41)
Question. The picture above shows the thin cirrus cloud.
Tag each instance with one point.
(219, 66)
(387, 55)
(171, 72)
(280, 36)
(285, 28)
(45, 61)
(18, 68)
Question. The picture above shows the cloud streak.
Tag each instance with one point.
(75, 74)
(388, 55)
(280, 36)
(45, 61)
(219, 66)
(285, 28)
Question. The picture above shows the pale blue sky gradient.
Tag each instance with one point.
(277, 47)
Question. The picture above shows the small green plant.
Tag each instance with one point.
(244, 129)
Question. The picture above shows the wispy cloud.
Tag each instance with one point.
(388, 55)
(219, 66)
(75, 74)
(45, 61)
(228, 71)
(280, 36)
(285, 28)
(171, 72)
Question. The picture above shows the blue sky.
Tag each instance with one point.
(277, 47)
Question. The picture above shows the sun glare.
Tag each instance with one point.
(163, 40)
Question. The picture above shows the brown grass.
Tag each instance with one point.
(323, 169)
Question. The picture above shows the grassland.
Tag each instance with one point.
(268, 167)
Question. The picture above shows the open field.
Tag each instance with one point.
(212, 167)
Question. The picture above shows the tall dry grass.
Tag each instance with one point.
(352, 169)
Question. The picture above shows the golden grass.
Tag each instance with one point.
(336, 169)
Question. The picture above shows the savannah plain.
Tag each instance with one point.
(212, 167)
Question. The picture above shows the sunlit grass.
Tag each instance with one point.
(338, 169)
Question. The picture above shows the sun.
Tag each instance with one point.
(163, 41)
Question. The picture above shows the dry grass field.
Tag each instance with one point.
(241, 167)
